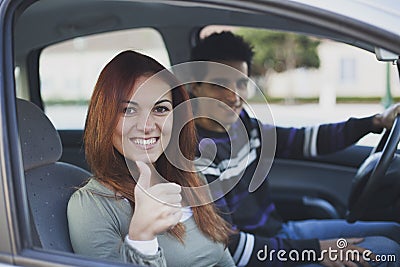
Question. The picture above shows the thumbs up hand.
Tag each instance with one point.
(157, 207)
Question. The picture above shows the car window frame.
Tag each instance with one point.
(11, 163)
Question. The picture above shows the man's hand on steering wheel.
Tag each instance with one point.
(386, 118)
(370, 176)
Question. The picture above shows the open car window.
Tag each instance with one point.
(69, 70)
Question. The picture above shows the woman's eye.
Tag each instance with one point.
(129, 111)
(161, 109)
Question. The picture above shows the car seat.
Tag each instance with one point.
(49, 183)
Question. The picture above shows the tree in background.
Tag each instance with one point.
(280, 51)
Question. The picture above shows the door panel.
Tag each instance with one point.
(304, 189)
(319, 188)
(315, 188)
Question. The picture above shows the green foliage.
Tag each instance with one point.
(280, 51)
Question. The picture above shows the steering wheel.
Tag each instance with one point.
(371, 173)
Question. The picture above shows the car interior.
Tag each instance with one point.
(49, 183)
(53, 157)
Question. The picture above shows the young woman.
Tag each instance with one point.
(131, 209)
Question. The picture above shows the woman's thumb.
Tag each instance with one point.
(144, 176)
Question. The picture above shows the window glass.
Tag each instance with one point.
(69, 70)
(308, 80)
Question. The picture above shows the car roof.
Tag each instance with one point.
(360, 23)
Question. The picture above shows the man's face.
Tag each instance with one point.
(227, 89)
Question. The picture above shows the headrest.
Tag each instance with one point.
(40, 141)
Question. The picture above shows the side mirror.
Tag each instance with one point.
(385, 55)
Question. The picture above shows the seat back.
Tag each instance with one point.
(49, 183)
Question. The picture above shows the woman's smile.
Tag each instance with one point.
(145, 143)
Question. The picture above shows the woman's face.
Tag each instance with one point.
(145, 123)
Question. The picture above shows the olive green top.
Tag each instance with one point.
(98, 223)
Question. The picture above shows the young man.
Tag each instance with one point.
(253, 214)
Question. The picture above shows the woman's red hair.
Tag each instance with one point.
(114, 86)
